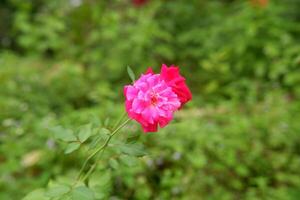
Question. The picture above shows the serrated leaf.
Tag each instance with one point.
(65, 135)
(113, 163)
(131, 74)
(57, 191)
(84, 133)
(82, 193)
(133, 149)
(129, 160)
(72, 147)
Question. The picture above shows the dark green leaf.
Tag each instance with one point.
(131, 74)
(72, 147)
(133, 138)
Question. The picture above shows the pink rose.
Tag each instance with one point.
(151, 102)
(153, 98)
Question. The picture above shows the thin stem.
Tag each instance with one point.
(119, 121)
(98, 150)
(93, 167)
(121, 126)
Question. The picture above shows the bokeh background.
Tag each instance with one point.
(63, 61)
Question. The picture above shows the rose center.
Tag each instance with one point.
(154, 99)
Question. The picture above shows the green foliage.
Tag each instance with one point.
(63, 68)
(85, 132)
(132, 149)
(107, 36)
(65, 135)
(38, 194)
(57, 191)
(82, 192)
(226, 150)
(72, 147)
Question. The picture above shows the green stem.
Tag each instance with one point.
(98, 150)
(93, 167)
(119, 121)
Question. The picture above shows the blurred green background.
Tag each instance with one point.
(63, 61)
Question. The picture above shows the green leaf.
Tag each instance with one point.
(105, 131)
(133, 138)
(72, 147)
(57, 191)
(95, 141)
(82, 193)
(38, 194)
(131, 74)
(85, 132)
(103, 134)
(113, 163)
(102, 178)
(65, 135)
(100, 194)
(133, 149)
(96, 121)
(129, 160)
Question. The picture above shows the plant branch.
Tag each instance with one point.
(116, 130)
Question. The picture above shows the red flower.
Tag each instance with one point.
(177, 82)
(139, 2)
(173, 78)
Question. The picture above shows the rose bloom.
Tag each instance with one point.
(153, 98)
